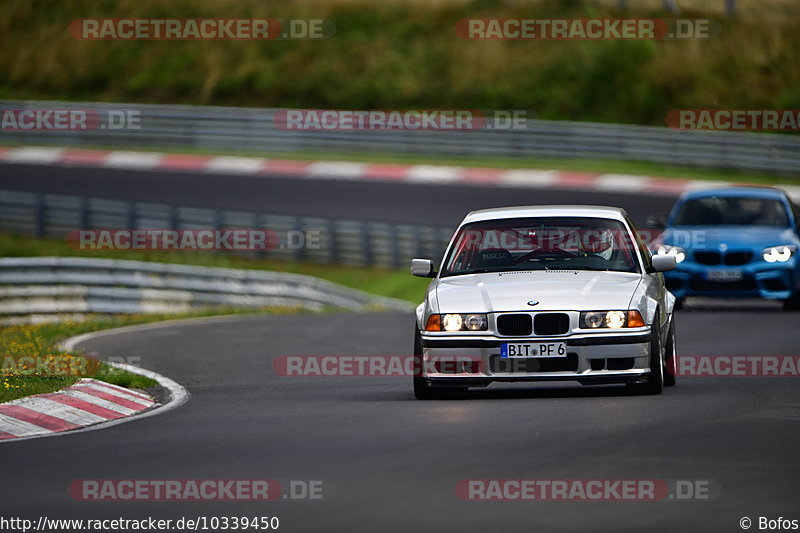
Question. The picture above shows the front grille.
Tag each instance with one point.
(707, 258)
(738, 258)
(747, 284)
(517, 325)
(542, 364)
(551, 323)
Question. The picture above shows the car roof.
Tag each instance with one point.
(752, 191)
(526, 211)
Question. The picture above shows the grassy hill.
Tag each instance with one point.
(406, 54)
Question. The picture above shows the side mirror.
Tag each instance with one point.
(663, 263)
(656, 221)
(422, 268)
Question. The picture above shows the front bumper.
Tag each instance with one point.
(603, 358)
(772, 281)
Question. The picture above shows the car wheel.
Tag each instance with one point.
(670, 357)
(792, 303)
(422, 391)
(655, 381)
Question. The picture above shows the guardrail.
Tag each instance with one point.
(253, 129)
(31, 286)
(346, 242)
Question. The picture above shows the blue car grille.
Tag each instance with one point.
(738, 258)
(707, 258)
(732, 258)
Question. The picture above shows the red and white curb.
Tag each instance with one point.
(65, 413)
(86, 403)
(423, 174)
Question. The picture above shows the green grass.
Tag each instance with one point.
(40, 341)
(400, 54)
(382, 282)
(14, 387)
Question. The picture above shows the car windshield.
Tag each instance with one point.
(732, 211)
(542, 243)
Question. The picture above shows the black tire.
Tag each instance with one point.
(422, 391)
(792, 303)
(670, 354)
(678, 304)
(655, 381)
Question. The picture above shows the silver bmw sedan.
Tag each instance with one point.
(544, 293)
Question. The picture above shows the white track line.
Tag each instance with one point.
(434, 174)
(33, 154)
(134, 160)
(235, 165)
(529, 178)
(621, 183)
(336, 170)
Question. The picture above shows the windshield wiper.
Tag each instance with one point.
(528, 269)
(593, 269)
(467, 272)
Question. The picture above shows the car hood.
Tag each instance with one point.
(554, 290)
(733, 237)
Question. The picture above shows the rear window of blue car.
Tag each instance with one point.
(732, 211)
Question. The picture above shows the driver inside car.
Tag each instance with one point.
(597, 243)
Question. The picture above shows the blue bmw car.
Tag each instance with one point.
(733, 242)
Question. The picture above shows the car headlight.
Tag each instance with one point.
(677, 251)
(611, 319)
(778, 254)
(457, 322)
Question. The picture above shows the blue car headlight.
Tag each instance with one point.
(676, 251)
(778, 254)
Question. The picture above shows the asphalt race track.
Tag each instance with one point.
(442, 205)
(390, 463)
(387, 461)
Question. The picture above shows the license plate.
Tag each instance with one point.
(513, 350)
(724, 275)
